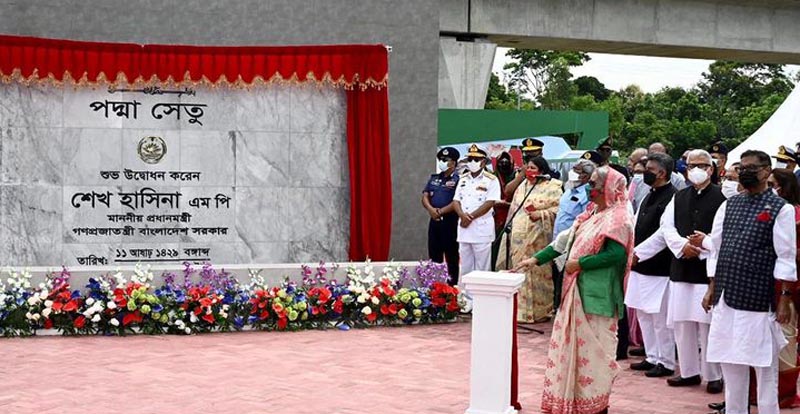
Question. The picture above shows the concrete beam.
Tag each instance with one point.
(763, 31)
(464, 72)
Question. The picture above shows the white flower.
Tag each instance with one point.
(366, 310)
(48, 303)
(226, 307)
(179, 323)
(36, 316)
(192, 318)
(90, 301)
(96, 318)
(46, 312)
(375, 300)
(114, 322)
(28, 316)
(362, 299)
(188, 331)
(33, 300)
(111, 305)
(43, 294)
(224, 315)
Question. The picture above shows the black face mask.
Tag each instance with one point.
(748, 179)
(504, 167)
(649, 178)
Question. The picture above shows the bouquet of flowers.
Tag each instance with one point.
(16, 300)
(444, 301)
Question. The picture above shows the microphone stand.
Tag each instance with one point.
(507, 231)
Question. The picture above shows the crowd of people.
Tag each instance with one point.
(692, 258)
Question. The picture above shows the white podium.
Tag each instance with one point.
(492, 328)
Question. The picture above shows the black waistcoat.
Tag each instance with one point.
(746, 259)
(694, 212)
(648, 222)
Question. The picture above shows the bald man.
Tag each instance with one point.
(677, 180)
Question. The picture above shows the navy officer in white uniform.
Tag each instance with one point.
(476, 193)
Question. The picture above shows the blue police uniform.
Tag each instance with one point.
(442, 233)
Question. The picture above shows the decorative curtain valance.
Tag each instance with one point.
(30, 59)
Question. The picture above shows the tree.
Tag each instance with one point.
(589, 85)
(500, 97)
(531, 72)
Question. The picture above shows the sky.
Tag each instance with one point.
(650, 73)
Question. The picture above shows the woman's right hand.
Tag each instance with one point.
(525, 264)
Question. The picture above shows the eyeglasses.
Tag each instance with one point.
(471, 159)
(752, 168)
(693, 166)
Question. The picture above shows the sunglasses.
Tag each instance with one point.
(693, 166)
(752, 168)
(470, 159)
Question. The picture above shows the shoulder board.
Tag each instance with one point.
(489, 175)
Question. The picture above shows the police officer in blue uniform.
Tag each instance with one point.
(437, 198)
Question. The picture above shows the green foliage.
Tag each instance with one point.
(730, 102)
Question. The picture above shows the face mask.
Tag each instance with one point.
(748, 179)
(592, 193)
(697, 176)
(474, 166)
(504, 166)
(573, 176)
(649, 178)
(638, 177)
(730, 188)
(781, 164)
(775, 191)
(442, 165)
(531, 174)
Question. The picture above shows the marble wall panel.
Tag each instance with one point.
(278, 152)
(262, 159)
(31, 221)
(30, 106)
(317, 160)
(212, 154)
(31, 155)
(88, 151)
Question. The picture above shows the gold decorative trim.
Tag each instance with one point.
(121, 80)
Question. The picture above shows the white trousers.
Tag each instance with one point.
(659, 341)
(737, 385)
(475, 256)
(687, 336)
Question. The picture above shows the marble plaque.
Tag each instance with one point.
(117, 176)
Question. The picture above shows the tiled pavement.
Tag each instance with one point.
(421, 369)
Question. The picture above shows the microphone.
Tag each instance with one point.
(544, 176)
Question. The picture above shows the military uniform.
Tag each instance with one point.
(535, 148)
(719, 148)
(475, 240)
(606, 145)
(442, 233)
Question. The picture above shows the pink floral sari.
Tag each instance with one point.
(581, 364)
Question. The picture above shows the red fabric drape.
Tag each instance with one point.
(370, 174)
(364, 66)
(362, 69)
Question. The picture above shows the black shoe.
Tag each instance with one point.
(717, 406)
(659, 371)
(679, 381)
(637, 352)
(621, 357)
(642, 366)
(714, 387)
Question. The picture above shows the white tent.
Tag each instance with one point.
(782, 128)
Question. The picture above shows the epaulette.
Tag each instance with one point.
(489, 175)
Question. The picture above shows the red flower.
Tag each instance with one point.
(57, 306)
(282, 322)
(338, 306)
(209, 317)
(79, 322)
(384, 310)
(48, 323)
(763, 216)
(264, 315)
(393, 309)
(372, 317)
(71, 306)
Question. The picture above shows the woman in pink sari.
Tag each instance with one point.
(581, 364)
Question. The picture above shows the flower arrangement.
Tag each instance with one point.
(116, 304)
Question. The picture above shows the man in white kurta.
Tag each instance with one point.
(696, 208)
(476, 193)
(744, 275)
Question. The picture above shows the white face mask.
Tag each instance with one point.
(474, 166)
(780, 164)
(775, 191)
(638, 177)
(730, 188)
(442, 165)
(573, 176)
(697, 176)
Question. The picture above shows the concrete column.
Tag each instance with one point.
(464, 72)
(492, 328)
